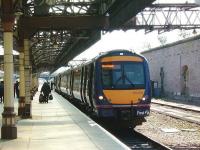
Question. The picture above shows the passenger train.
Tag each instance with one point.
(114, 85)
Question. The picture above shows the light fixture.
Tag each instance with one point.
(18, 12)
(194, 31)
(55, 44)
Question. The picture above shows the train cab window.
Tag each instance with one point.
(123, 75)
(110, 73)
(134, 73)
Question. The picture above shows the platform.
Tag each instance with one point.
(58, 125)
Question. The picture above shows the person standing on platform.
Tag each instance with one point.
(16, 89)
(52, 85)
(1, 92)
(46, 90)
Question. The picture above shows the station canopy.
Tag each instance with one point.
(59, 30)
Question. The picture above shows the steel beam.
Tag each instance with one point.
(121, 11)
(68, 54)
(165, 17)
(65, 23)
(58, 7)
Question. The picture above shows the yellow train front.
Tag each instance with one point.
(115, 85)
(122, 86)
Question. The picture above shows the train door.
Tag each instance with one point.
(71, 83)
(67, 83)
(56, 83)
(85, 84)
(59, 82)
(82, 84)
(63, 84)
(93, 86)
(90, 84)
(77, 83)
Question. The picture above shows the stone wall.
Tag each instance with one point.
(181, 66)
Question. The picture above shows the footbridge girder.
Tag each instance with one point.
(166, 16)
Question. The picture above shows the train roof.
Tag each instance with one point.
(115, 52)
(118, 52)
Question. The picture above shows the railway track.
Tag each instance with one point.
(179, 106)
(130, 137)
(135, 140)
(150, 143)
(182, 113)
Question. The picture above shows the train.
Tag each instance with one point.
(114, 85)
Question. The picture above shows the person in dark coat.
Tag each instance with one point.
(16, 89)
(52, 85)
(46, 90)
(1, 92)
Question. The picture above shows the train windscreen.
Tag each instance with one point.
(123, 75)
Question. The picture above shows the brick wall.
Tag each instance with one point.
(173, 57)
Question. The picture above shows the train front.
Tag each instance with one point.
(123, 88)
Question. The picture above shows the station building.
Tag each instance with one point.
(176, 69)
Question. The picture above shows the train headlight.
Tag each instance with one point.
(100, 97)
(145, 98)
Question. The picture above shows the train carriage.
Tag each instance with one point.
(114, 85)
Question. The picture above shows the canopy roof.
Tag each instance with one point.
(59, 30)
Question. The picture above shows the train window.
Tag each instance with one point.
(111, 73)
(123, 75)
(134, 73)
(77, 79)
(68, 79)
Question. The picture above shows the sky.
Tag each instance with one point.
(136, 41)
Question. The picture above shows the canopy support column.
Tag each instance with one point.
(27, 70)
(8, 129)
(21, 106)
